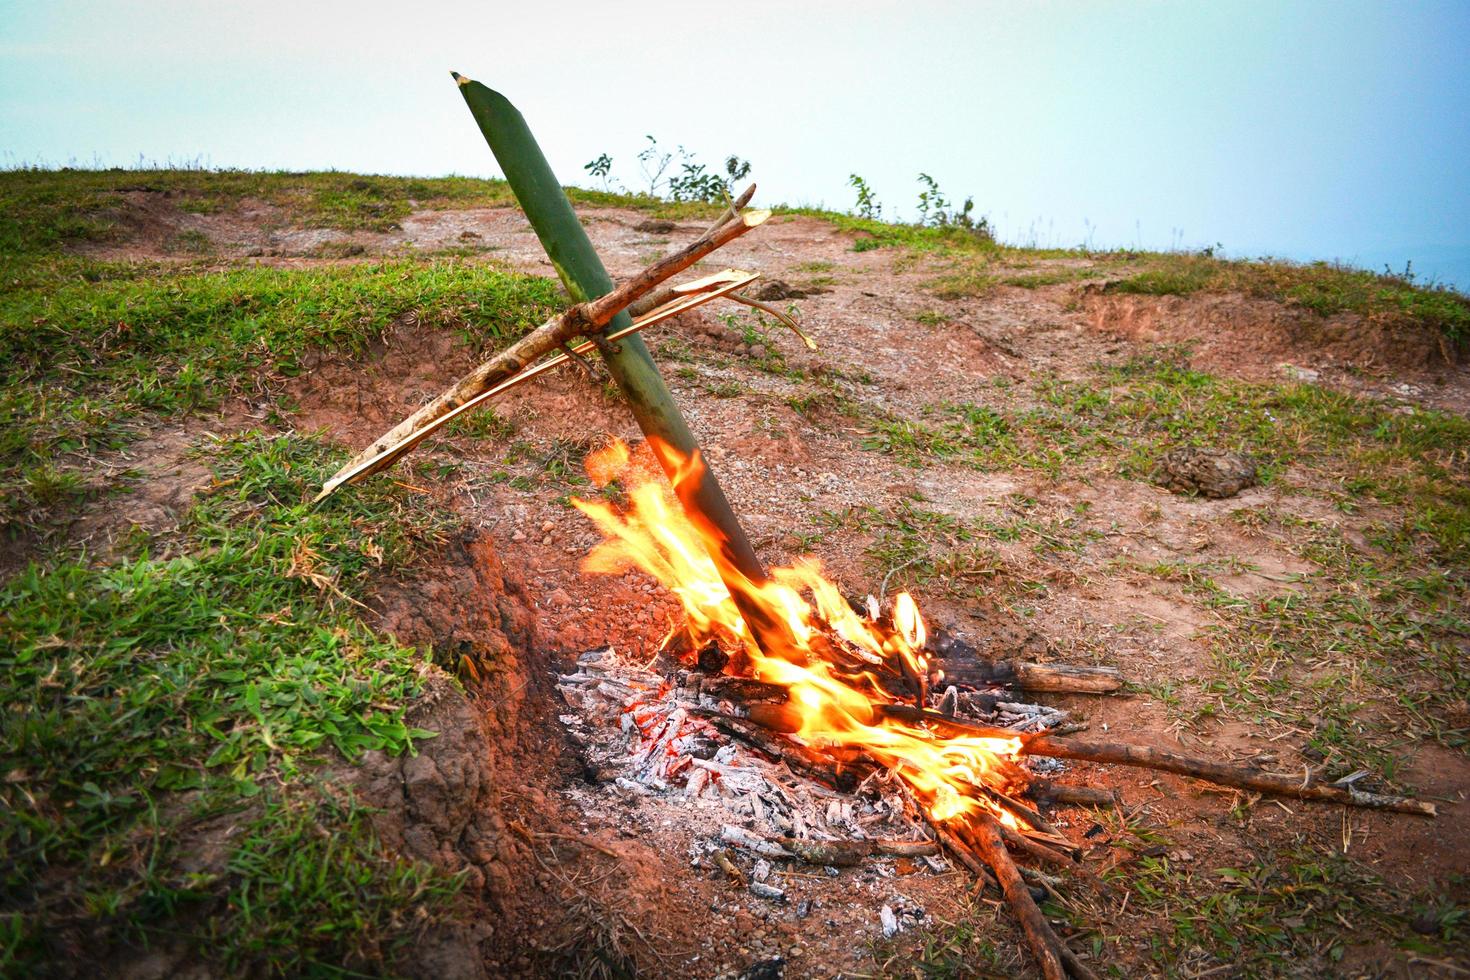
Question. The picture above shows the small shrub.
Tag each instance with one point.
(867, 202)
(936, 211)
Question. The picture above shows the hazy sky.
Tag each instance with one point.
(1309, 130)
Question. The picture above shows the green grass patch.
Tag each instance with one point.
(146, 696)
(86, 356)
(1293, 911)
(43, 210)
(1126, 417)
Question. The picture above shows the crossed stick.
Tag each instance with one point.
(512, 365)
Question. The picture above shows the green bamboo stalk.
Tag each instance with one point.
(576, 262)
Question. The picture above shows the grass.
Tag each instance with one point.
(1290, 910)
(91, 357)
(1128, 415)
(45, 209)
(969, 267)
(148, 695)
(168, 709)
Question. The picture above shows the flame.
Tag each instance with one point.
(830, 658)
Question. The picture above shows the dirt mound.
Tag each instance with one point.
(1236, 334)
(462, 800)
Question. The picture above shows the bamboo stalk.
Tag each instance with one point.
(668, 435)
(582, 319)
(1243, 777)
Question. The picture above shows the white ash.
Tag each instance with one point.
(644, 738)
(899, 914)
(640, 734)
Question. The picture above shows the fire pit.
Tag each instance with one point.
(851, 744)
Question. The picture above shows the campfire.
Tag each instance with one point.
(851, 684)
(836, 730)
(851, 700)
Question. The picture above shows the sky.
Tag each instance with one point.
(1337, 131)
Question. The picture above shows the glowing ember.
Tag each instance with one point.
(836, 662)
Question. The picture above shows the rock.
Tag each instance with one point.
(654, 226)
(1298, 373)
(1213, 473)
(776, 289)
(771, 969)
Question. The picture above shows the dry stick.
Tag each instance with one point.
(1243, 777)
(909, 713)
(688, 296)
(1038, 823)
(849, 853)
(805, 760)
(962, 853)
(1027, 676)
(1038, 935)
(654, 300)
(1048, 948)
(905, 848)
(1046, 791)
(1051, 855)
(584, 318)
(1036, 849)
(782, 316)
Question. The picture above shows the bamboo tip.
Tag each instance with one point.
(460, 78)
(753, 218)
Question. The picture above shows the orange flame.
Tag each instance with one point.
(832, 670)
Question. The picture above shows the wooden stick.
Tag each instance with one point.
(1034, 848)
(847, 853)
(686, 296)
(1039, 937)
(961, 852)
(1243, 777)
(905, 848)
(1038, 824)
(654, 300)
(1057, 678)
(909, 713)
(841, 774)
(582, 319)
(1047, 791)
